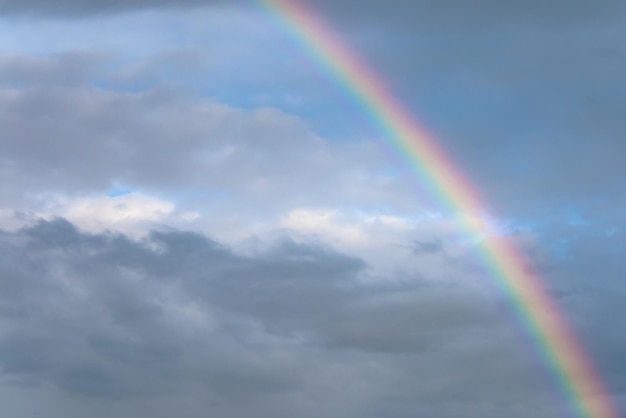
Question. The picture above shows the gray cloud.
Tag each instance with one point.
(423, 12)
(60, 134)
(62, 70)
(106, 317)
(529, 109)
(161, 139)
(175, 64)
(427, 247)
(95, 315)
(71, 8)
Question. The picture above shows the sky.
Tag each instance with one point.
(197, 219)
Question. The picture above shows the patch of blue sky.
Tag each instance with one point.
(118, 191)
(136, 34)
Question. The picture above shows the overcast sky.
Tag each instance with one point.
(195, 219)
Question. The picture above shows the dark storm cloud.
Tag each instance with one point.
(526, 96)
(461, 15)
(429, 12)
(95, 315)
(108, 317)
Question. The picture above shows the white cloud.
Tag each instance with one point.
(133, 213)
(129, 208)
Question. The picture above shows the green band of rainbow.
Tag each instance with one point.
(536, 311)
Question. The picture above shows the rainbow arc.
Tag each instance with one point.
(536, 311)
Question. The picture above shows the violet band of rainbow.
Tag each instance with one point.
(535, 310)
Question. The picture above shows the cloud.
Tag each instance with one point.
(173, 64)
(114, 314)
(72, 8)
(402, 11)
(106, 317)
(192, 151)
(516, 119)
(61, 70)
(427, 247)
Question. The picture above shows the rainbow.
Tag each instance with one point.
(536, 311)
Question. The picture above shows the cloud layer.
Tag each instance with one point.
(109, 318)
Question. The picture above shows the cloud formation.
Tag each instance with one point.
(72, 8)
(106, 317)
(403, 11)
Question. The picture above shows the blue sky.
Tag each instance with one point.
(195, 217)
